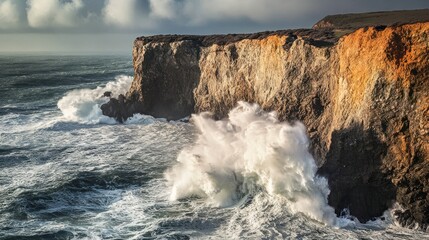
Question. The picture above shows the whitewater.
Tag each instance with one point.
(68, 172)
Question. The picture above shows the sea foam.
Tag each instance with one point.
(83, 105)
(249, 152)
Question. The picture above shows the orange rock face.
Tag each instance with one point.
(397, 53)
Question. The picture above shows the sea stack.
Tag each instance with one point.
(361, 88)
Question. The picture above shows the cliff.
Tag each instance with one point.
(364, 98)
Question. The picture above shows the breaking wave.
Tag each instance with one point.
(249, 153)
(83, 105)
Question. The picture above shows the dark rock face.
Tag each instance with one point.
(355, 159)
(170, 76)
(107, 94)
(364, 98)
(120, 108)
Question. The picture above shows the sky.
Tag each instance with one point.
(110, 26)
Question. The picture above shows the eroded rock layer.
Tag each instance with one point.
(364, 98)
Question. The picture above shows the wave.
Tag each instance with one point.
(83, 105)
(247, 153)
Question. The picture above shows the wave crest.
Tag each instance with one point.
(83, 105)
(249, 152)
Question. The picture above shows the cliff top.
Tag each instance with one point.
(318, 37)
(354, 21)
(324, 33)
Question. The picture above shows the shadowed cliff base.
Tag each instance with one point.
(354, 170)
(364, 98)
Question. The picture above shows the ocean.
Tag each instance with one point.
(68, 172)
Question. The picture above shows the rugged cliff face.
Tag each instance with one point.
(364, 98)
(380, 113)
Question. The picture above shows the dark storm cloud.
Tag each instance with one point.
(160, 16)
(97, 25)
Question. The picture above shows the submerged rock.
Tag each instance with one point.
(107, 94)
(364, 98)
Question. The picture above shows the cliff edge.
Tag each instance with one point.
(364, 97)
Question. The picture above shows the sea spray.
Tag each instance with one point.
(249, 152)
(83, 105)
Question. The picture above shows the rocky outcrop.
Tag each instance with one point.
(364, 98)
(120, 109)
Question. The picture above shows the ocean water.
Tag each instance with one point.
(67, 172)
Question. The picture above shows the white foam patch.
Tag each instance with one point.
(138, 118)
(19, 123)
(83, 105)
(250, 152)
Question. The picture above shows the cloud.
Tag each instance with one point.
(177, 16)
(98, 22)
(128, 14)
(203, 11)
(149, 14)
(120, 13)
(164, 9)
(9, 14)
(54, 13)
